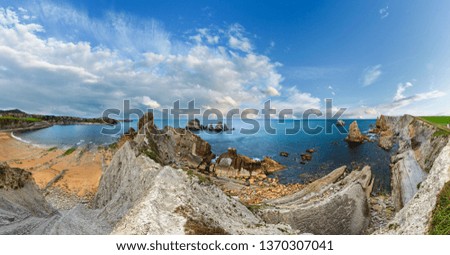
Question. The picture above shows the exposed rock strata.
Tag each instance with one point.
(330, 205)
(173, 146)
(24, 210)
(232, 164)
(414, 217)
(418, 150)
(194, 125)
(138, 196)
(385, 133)
(419, 171)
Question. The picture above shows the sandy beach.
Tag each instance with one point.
(82, 168)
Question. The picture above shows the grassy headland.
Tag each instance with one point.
(27, 119)
(440, 222)
(440, 122)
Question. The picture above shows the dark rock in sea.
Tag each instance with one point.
(340, 123)
(147, 119)
(310, 150)
(232, 164)
(220, 127)
(284, 154)
(194, 125)
(306, 157)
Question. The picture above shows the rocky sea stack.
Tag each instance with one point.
(354, 134)
(165, 181)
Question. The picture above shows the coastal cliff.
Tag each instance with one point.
(334, 204)
(164, 181)
(139, 196)
(17, 120)
(420, 169)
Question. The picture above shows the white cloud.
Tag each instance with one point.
(147, 101)
(401, 89)
(237, 40)
(60, 73)
(384, 12)
(331, 90)
(371, 111)
(271, 91)
(400, 104)
(205, 35)
(371, 75)
(298, 101)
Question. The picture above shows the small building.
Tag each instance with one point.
(448, 125)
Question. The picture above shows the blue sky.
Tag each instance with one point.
(82, 57)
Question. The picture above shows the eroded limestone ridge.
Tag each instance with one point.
(385, 132)
(13, 178)
(232, 164)
(334, 204)
(420, 168)
(154, 185)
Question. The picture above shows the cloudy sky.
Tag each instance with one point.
(82, 57)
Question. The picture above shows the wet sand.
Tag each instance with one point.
(83, 167)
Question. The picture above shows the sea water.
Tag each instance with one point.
(332, 150)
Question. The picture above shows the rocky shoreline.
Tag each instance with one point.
(19, 121)
(168, 177)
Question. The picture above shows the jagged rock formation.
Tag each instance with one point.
(418, 149)
(354, 134)
(221, 127)
(173, 146)
(414, 217)
(331, 205)
(385, 132)
(194, 125)
(419, 171)
(22, 207)
(138, 196)
(232, 164)
(24, 210)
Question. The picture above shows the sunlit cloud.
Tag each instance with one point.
(371, 75)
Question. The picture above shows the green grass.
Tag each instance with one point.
(69, 151)
(254, 208)
(441, 133)
(151, 154)
(440, 221)
(440, 122)
(52, 148)
(113, 146)
(28, 119)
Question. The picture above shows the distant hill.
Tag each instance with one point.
(18, 120)
(14, 111)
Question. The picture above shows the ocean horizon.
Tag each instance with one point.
(331, 149)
